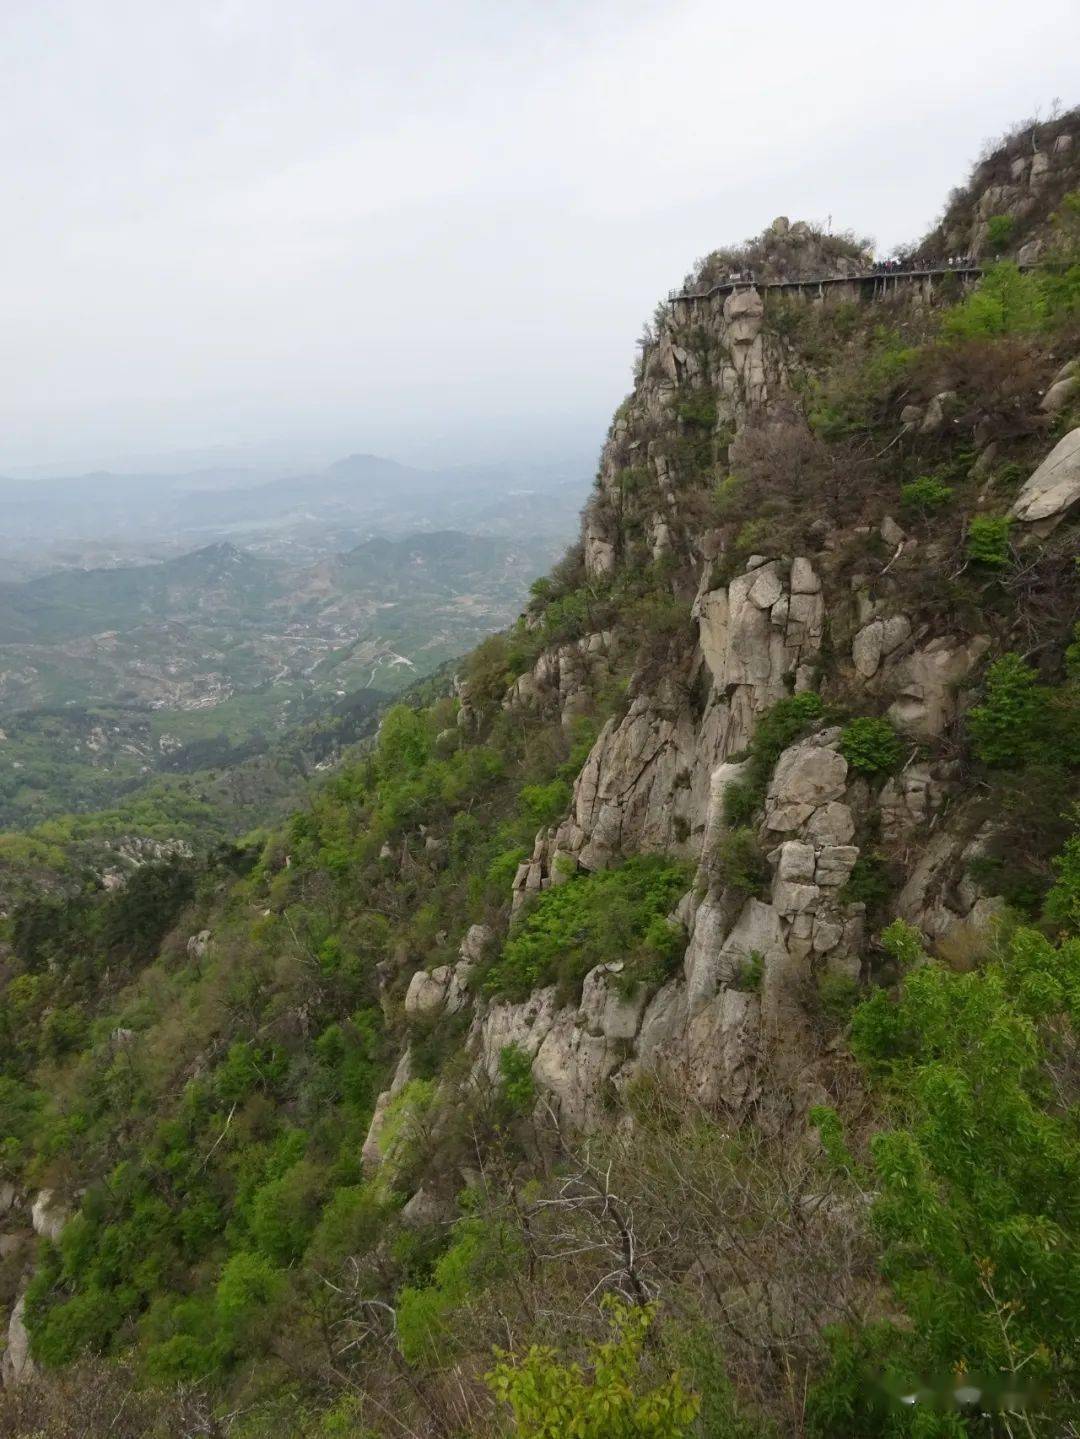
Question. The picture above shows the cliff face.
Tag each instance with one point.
(1018, 183)
(815, 589)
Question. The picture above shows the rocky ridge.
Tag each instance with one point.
(657, 775)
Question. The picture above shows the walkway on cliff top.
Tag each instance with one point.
(880, 280)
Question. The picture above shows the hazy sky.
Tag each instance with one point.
(434, 230)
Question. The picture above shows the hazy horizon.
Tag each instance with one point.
(434, 232)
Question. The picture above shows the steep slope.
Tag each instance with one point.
(713, 947)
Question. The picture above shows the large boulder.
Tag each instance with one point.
(876, 640)
(927, 680)
(607, 1009)
(1055, 485)
(16, 1366)
(427, 991)
(49, 1214)
(198, 945)
(806, 776)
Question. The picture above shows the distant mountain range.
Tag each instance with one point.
(357, 495)
(109, 676)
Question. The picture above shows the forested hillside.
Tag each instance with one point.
(667, 1027)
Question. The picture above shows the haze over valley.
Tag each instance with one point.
(173, 623)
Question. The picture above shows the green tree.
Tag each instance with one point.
(1063, 900)
(870, 745)
(248, 1294)
(1007, 302)
(552, 1400)
(1000, 231)
(978, 1178)
(1005, 727)
(988, 541)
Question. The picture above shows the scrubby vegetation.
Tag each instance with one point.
(586, 921)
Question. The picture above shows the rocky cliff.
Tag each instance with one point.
(814, 587)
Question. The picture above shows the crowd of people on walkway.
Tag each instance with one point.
(909, 263)
(894, 265)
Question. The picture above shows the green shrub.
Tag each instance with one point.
(868, 883)
(549, 1399)
(1000, 231)
(837, 996)
(737, 862)
(871, 746)
(749, 975)
(503, 868)
(1063, 899)
(698, 408)
(1006, 727)
(925, 494)
(516, 1078)
(248, 1294)
(977, 1182)
(988, 541)
(80, 1325)
(1006, 302)
(429, 1322)
(434, 1038)
(284, 1211)
(779, 727)
(543, 804)
(588, 920)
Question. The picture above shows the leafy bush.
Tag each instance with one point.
(737, 862)
(779, 727)
(1006, 727)
(429, 1328)
(698, 408)
(1006, 302)
(749, 975)
(977, 1183)
(1000, 231)
(871, 746)
(248, 1292)
(586, 921)
(549, 1399)
(868, 883)
(837, 995)
(284, 1211)
(926, 494)
(516, 1078)
(544, 803)
(988, 541)
(1063, 900)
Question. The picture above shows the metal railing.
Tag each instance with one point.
(879, 272)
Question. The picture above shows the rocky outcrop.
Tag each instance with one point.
(927, 684)
(49, 1213)
(371, 1152)
(198, 945)
(16, 1365)
(763, 628)
(737, 1009)
(876, 641)
(1054, 487)
(736, 364)
(446, 989)
(646, 784)
(563, 678)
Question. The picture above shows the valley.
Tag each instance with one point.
(196, 663)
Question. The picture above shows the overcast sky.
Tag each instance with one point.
(433, 228)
